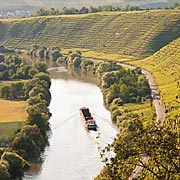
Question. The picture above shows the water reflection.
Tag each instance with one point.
(73, 153)
(72, 74)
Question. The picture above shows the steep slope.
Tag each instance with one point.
(165, 66)
(132, 33)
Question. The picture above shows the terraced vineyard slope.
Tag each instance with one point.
(129, 33)
(165, 66)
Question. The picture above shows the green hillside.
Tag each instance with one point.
(131, 33)
(165, 66)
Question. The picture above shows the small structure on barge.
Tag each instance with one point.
(88, 120)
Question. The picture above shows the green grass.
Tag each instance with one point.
(8, 129)
(8, 83)
(165, 66)
(124, 33)
(145, 111)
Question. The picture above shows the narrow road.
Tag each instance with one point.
(160, 111)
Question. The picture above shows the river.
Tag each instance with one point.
(73, 153)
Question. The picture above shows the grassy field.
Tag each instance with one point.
(165, 66)
(12, 115)
(7, 129)
(145, 111)
(125, 33)
(6, 83)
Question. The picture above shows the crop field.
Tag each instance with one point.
(125, 33)
(12, 116)
(12, 111)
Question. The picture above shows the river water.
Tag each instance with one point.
(73, 153)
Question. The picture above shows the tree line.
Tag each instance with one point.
(91, 9)
(44, 53)
(84, 10)
(13, 68)
(30, 140)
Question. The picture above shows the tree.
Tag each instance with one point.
(3, 67)
(92, 9)
(17, 60)
(107, 67)
(36, 118)
(32, 72)
(29, 142)
(110, 78)
(55, 54)
(41, 53)
(6, 92)
(47, 54)
(41, 67)
(161, 146)
(11, 73)
(5, 75)
(17, 90)
(114, 92)
(4, 174)
(45, 77)
(2, 58)
(83, 10)
(77, 62)
(42, 12)
(17, 165)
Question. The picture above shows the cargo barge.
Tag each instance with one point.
(88, 120)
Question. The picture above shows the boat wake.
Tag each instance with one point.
(97, 140)
(72, 117)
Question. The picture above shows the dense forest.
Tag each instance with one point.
(85, 10)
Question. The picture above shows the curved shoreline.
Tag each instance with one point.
(158, 104)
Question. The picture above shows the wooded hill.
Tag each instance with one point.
(126, 33)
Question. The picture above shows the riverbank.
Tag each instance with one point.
(69, 142)
(30, 139)
(131, 124)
